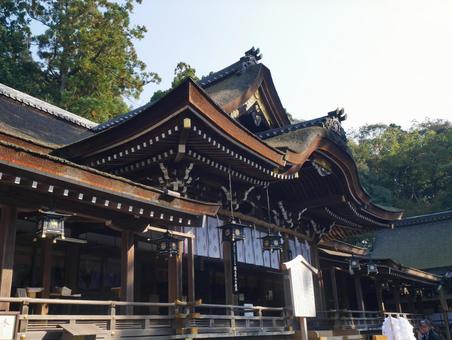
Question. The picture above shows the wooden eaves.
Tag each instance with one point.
(18, 160)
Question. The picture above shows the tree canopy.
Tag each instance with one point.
(181, 72)
(83, 61)
(408, 169)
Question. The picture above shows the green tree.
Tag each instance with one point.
(17, 67)
(85, 55)
(410, 169)
(181, 72)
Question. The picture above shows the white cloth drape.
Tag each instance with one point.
(398, 329)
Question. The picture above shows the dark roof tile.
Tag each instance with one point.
(33, 120)
(45, 107)
(424, 241)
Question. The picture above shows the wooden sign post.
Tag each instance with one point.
(302, 291)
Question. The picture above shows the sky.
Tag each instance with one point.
(384, 61)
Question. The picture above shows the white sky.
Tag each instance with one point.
(382, 60)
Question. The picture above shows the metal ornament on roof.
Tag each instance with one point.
(51, 225)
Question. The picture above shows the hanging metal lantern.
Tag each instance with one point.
(233, 231)
(354, 265)
(271, 243)
(372, 268)
(168, 245)
(51, 224)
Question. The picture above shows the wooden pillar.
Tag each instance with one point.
(412, 300)
(396, 295)
(227, 261)
(379, 293)
(47, 263)
(286, 280)
(344, 283)
(334, 288)
(127, 268)
(319, 288)
(190, 271)
(359, 293)
(7, 248)
(71, 265)
(175, 275)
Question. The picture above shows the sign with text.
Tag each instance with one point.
(302, 286)
(235, 274)
(8, 324)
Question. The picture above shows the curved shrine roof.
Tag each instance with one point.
(196, 120)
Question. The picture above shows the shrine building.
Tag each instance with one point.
(172, 221)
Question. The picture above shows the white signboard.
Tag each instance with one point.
(302, 286)
(7, 327)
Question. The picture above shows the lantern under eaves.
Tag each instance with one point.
(233, 231)
(271, 243)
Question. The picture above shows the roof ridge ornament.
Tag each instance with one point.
(251, 57)
(339, 113)
(333, 122)
(254, 53)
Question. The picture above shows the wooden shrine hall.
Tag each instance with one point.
(172, 220)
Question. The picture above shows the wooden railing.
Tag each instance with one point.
(118, 319)
(240, 319)
(364, 321)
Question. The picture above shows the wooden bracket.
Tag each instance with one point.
(182, 147)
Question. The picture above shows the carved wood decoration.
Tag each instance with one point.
(176, 178)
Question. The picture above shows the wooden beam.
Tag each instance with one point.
(113, 219)
(263, 224)
(343, 247)
(127, 268)
(173, 232)
(7, 248)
